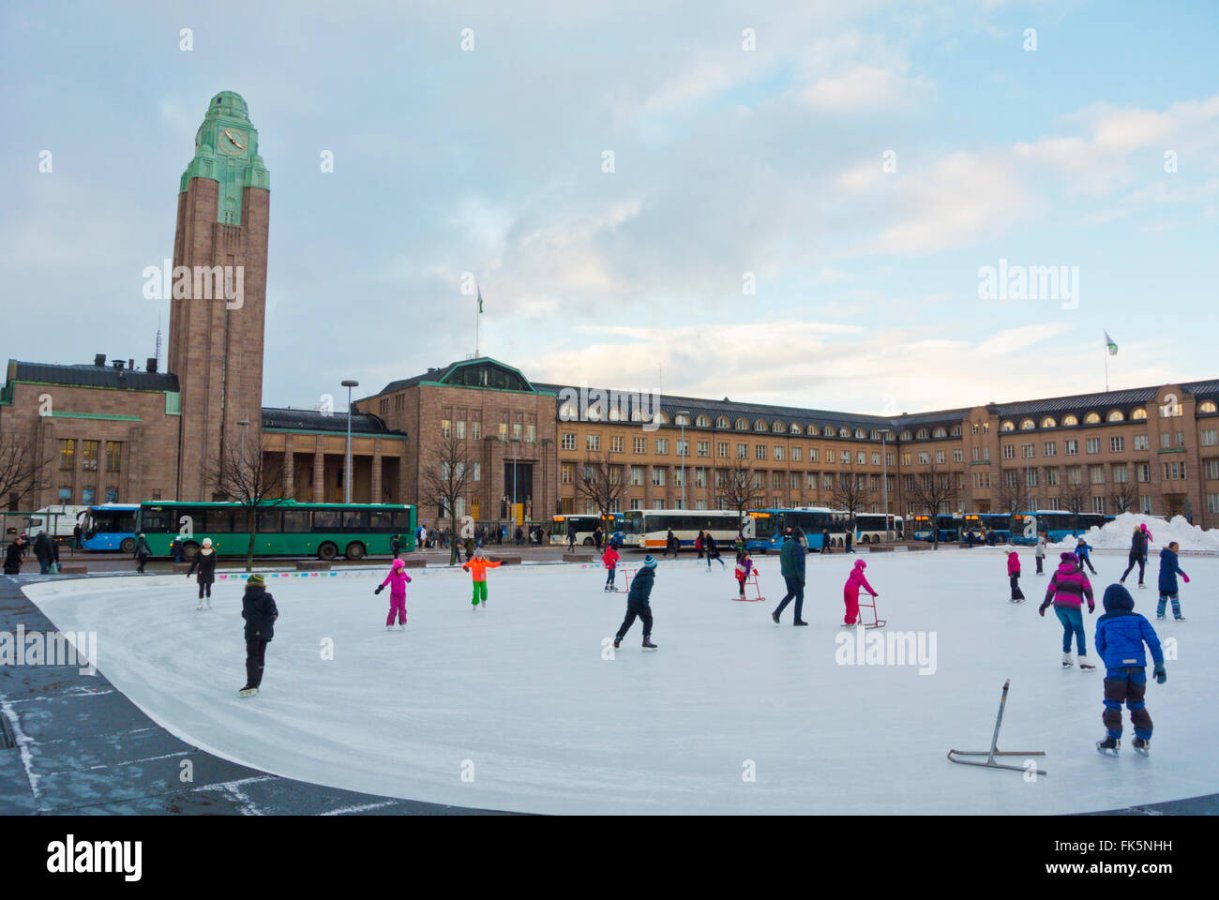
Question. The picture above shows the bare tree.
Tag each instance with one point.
(22, 467)
(1125, 496)
(850, 492)
(601, 484)
(737, 488)
(932, 489)
(445, 479)
(1014, 494)
(251, 480)
(1073, 497)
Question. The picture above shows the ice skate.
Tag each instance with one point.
(1142, 746)
(1085, 664)
(799, 622)
(389, 627)
(647, 644)
(209, 602)
(617, 643)
(1178, 618)
(1108, 746)
(199, 607)
(247, 692)
(1067, 661)
(774, 617)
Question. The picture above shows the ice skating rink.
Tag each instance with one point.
(521, 706)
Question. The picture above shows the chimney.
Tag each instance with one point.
(119, 364)
(131, 364)
(99, 359)
(151, 365)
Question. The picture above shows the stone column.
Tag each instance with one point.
(376, 472)
(319, 472)
(289, 469)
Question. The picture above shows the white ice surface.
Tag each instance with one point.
(520, 696)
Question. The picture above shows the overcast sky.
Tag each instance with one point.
(801, 199)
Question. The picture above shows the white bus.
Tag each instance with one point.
(647, 529)
(585, 526)
(870, 528)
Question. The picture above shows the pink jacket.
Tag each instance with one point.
(610, 557)
(397, 579)
(1013, 563)
(856, 580)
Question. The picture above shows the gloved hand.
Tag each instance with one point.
(1160, 675)
(1185, 578)
(1041, 611)
(1091, 608)
(379, 589)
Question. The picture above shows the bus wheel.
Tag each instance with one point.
(327, 551)
(356, 551)
(128, 545)
(588, 542)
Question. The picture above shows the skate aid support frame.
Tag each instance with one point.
(994, 746)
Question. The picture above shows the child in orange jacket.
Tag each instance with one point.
(610, 560)
(477, 567)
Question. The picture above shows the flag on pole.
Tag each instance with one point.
(1108, 343)
(480, 303)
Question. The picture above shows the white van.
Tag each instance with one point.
(58, 521)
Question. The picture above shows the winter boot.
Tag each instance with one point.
(799, 622)
(774, 617)
(617, 643)
(1108, 746)
(1067, 660)
(1141, 745)
(647, 644)
(1085, 664)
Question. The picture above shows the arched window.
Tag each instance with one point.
(1008, 426)
(1140, 414)
(828, 431)
(922, 434)
(812, 431)
(1070, 419)
(975, 427)
(844, 432)
(759, 425)
(703, 421)
(796, 429)
(721, 422)
(859, 434)
(742, 425)
(660, 418)
(1116, 415)
(778, 427)
(1092, 418)
(1048, 422)
(905, 436)
(681, 419)
(956, 430)
(940, 432)
(1027, 425)
(875, 435)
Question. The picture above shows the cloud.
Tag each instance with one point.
(866, 89)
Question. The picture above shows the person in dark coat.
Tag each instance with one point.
(1138, 553)
(77, 533)
(395, 545)
(175, 549)
(205, 562)
(571, 537)
(791, 564)
(142, 553)
(598, 537)
(638, 603)
(825, 540)
(44, 550)
(260, 612)
(711, 548)
(848, 536)
(12, 557)
(671, 545)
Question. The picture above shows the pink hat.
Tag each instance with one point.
(399, 564)
(860, 564)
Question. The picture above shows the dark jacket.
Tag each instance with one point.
(1169, 570)
(206, 563)
(12, 559)
(1121, 632)
(791, 559)
(44, 547)
(641, 585)
(142, 550)
(1138, 544)
(260, 612)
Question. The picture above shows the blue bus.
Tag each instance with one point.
(109, 527)
(764, 528)
(947, 528)
(984, 525)
(1056, 524)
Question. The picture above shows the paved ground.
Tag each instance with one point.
(70, 744)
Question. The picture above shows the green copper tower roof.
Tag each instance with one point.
(226, 151)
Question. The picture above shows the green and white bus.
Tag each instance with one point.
(284, 528)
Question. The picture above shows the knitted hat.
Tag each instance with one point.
(256, 579)
(649, 561)
(399, 564)
(1068, 556)
(207, 542)
(1117, 598)
(860, 564)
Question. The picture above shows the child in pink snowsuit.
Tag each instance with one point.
(850, 592)
(397, 579)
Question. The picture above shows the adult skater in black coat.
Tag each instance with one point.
(260, 612)
(638, 603)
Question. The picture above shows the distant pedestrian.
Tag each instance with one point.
(825, 541)
(598, 537)
(671, 544)
(1039, 554)
(1013, 576)
(260, 612)
(397, 580)
(205, 562)
(1169, 570)
(713, 551)
(609, 559)
(698, 544)
(571, 537)
(12, 557)
(638, 604)
(175, 549)
(1139, 542)
(395, 545)
(848, 537)
(791, 565)
(77, 534)
(142, 552)
(43, 552)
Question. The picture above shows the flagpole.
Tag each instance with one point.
(1107, 355)
(477, 323)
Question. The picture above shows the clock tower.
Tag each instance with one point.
(217, 314)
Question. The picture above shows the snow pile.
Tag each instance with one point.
(1116, 534)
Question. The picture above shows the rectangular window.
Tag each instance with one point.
(476, 431)
(759, 451)
(939, 456)
(924, 458)
(742, 451)
(700, 477)
(636, 504)
(1011, 477)
(640, 445)
(1209, 437)
(827, 482)
(446, 428)
(796, 454)
(1165, 440)
(1075, 475)
(1117, 444)
(958, 455)
(636, 476)
(683, 447)
(1027, 451)
(1051, 477)
(1212, 504)
(617, 443)
(67, 456)
(814, 455)
(1212, 469)
(1096, 474)
(810, 482)
(658, 476)
(1009, 451)
(1072, 447)
(1140, 442)
(776, 481)
(1030, 477)
(1145, 503)
(876, 457)
(986, 454)
(1121, 474)
(721, 449)
(703, 449)
(531, 433)
(1143, 471)
(795, 481)
(592, 442)
(1174, 471)
(778, 453)
(845, 457)
(861, 457)
(568, 441)
(88, 455)
(662, 446)
(459, 429)
(114, 456)
(889, 457)
(1049, 448)
(1098, 505)
(906, 458)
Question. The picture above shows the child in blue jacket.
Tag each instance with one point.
(1169, 570)
(1120, 636)
(1082, 551)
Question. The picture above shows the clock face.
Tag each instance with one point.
(231, 141)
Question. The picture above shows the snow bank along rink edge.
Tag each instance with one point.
(516, 706)
(1116, 535)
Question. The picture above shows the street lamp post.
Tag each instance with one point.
(349, 384)
(884, 478)
(681, 421)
